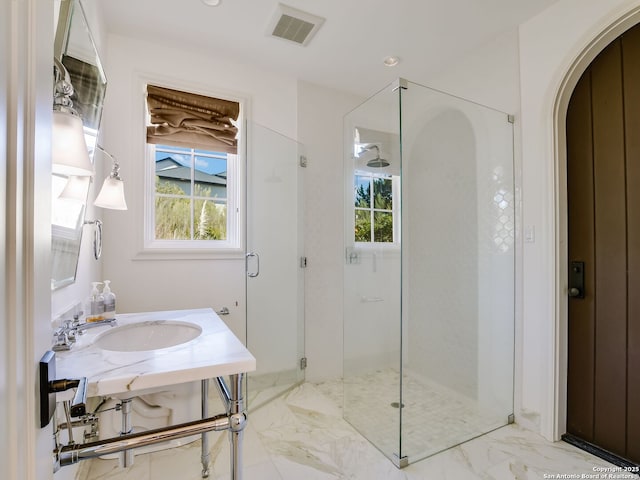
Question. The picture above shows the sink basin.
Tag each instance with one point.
(145, 336)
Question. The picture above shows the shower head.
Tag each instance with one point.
(377, 162)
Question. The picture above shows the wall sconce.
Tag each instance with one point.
(112, 193)
(69, 154)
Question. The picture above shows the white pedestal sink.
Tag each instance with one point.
(151, 350)
(144, 354)
(149, 335)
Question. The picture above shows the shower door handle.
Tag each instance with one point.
(253, 274)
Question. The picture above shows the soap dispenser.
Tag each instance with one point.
(109, 301)
(96, 304)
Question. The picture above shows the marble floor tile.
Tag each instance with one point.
(301, 435)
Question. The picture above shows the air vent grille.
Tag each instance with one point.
(294, 29)
(294, 25)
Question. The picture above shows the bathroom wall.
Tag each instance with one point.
(458, 307)
(458, 245)
(320, 129)
(441, 243)
(490, 76)
(371, 309)
(520, 73)
(144, 284)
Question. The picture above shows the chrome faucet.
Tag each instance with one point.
(65, 335)
(81, 327)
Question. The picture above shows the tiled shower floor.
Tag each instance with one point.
(301, 435)
(433, 418)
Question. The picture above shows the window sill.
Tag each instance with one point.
(368, 247)
(189, 254)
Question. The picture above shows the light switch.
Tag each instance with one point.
(529, 234)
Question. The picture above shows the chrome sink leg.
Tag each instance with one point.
(126, 457)
(205, 458)
(237, 421)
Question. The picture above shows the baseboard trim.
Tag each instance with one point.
(599, 452)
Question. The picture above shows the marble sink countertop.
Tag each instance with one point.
(215, 352)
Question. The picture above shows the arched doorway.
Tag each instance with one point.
(603, 199)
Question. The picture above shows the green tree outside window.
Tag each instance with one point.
(373, 220)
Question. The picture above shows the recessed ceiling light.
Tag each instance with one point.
(391, 61)
(211, 3)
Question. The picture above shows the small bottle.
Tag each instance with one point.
(96, 304)
(109, 301)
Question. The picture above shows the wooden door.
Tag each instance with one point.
(603, 170)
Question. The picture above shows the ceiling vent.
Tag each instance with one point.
(294, 25)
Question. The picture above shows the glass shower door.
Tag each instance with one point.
(429, 271)
(275, 279)
(372, 271)
(458, 232)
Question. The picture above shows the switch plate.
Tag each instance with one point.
(529, 234)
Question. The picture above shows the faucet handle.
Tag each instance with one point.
(62, 340)
(70, 330)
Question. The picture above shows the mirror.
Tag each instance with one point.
(75, 48)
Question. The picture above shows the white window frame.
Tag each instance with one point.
(233, 246)
(395, 210)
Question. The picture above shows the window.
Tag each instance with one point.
(194, 172)
(374, 208)
(190, 194)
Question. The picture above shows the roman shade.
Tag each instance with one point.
(182, 119)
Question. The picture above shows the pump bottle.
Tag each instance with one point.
(96, 304)
(109, 301)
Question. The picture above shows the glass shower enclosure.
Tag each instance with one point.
(429, 270)
(274, 277)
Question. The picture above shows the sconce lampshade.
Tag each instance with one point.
(111, 195)
(69, 148)
(76, 189)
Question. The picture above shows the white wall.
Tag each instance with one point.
(320, 124)
(489, 76)
(441, 242)
(143, 284)
(537, 59)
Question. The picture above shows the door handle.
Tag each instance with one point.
(576, 280)
(257, 257)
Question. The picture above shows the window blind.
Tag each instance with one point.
(184, 119)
